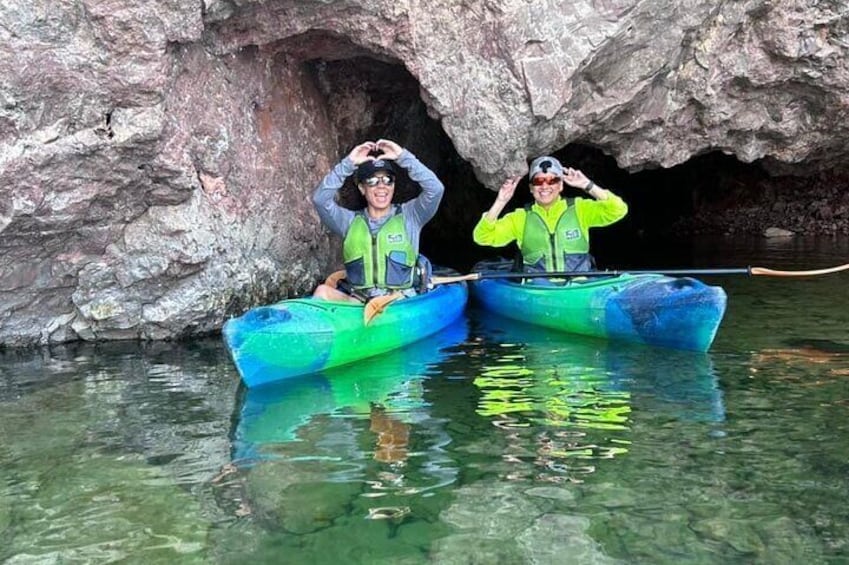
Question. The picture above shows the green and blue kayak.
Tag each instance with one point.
(273, 415)
(304, 335)
(651, 309)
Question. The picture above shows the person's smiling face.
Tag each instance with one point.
(546, 189)
(378, 191)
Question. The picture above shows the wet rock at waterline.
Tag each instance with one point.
(777, 232)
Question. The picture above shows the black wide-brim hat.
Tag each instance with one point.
(369, 168)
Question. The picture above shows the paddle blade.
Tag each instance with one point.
(458, 278)
(812, 273)
(377, 305)
(333, 279)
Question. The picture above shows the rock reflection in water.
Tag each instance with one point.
(832, 357)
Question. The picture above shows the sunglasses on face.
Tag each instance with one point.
(540, 181)
(372, 182)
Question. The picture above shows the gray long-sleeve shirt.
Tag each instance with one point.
(417, 212)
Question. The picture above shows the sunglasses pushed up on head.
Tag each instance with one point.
(540, 180)
(372, 182)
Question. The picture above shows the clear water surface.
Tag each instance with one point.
(493, 442)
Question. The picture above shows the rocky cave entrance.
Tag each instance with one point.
(711, 194)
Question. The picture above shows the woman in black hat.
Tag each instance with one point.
(381, 241)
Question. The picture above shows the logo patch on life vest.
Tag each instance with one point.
(573, 234)
(395, 238)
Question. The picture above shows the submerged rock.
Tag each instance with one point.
(778, 232)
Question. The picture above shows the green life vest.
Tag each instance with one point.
(383, 260)
(566, 249)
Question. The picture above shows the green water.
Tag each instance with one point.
(494, 442)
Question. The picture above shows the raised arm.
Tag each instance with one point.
(577, 179)
(605, 209)
(495, 232)
(423, 207)
(334, 216)
(505, 193)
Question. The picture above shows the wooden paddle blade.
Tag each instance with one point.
(459, 278)
(813, 273)
(333, 279)
(377, 305)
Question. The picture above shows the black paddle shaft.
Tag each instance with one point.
(559, 274)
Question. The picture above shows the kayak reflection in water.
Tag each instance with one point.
(381, 239)
(365, 423)
(553, 233)
(565, 404)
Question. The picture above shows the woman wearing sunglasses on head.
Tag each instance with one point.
(381, 241)
(553, 232)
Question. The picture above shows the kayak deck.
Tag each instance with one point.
(680, 313)
(304, 335)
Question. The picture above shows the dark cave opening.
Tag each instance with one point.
(712, 194)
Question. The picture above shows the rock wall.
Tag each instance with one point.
(156, 157)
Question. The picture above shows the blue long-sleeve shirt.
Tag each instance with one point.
(417, 212)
